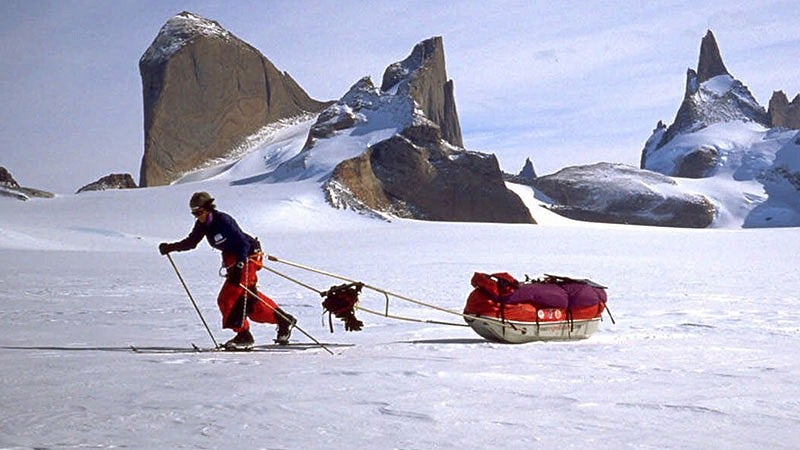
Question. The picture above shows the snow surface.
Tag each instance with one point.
(703, 353)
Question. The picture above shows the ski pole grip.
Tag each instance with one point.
(272, 258)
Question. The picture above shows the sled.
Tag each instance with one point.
(501, 309)
(516, 332)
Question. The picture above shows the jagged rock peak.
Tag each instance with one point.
(525, 176)
(712, 96)
(364, 94)
(180, 30)
(710, 62)
(527, 172)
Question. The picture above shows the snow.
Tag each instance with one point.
(729, 138)
(177, 32)
(719, 85)
(703, 353)
(747, 152)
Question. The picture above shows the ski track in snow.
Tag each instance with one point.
(703, 353)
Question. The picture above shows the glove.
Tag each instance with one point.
(165, 248)
(234, 274)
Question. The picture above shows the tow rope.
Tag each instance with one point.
(355, 324)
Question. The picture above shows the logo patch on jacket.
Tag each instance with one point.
(219, 239)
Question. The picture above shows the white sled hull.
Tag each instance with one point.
(512, 332)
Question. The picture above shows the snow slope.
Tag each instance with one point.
(703, 353)
(747, 151)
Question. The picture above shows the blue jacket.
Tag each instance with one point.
(222, 233)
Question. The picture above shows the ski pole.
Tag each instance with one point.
(276, 311)
(216, 345)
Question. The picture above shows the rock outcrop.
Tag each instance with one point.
(712, 96)
(617, 193)
(709, 64)
(7, 180)
(782, 113)
(10, 188)
(427, 180)
(113, 181)
(205, 91)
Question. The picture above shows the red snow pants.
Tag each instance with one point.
(237, 305)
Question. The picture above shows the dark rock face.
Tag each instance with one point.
(7, 180)
(113, 181)
(527, 172)
(429, 181)
(205, 91)
(782, 113)
(424, 76)
(616, 193)
(710, 64)
(700, 162)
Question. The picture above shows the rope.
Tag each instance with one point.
(374, 288)
(293, 280)
(410, 319)
(380, 290)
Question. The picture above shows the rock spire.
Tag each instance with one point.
(710, 62)
(424, 76)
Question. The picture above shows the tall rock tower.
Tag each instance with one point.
(205, 91)
(428, 86)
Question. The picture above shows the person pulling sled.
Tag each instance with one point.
(242, 258)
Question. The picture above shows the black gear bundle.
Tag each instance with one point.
(340, 301)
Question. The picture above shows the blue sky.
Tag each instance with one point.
(564, 83)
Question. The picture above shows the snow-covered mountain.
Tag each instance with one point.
(720, 148)
(722, 137)
(394, 150)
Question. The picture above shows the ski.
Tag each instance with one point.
(263, 348)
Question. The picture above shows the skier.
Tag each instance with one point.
(241, 257)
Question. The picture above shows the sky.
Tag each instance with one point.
(563, 83)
